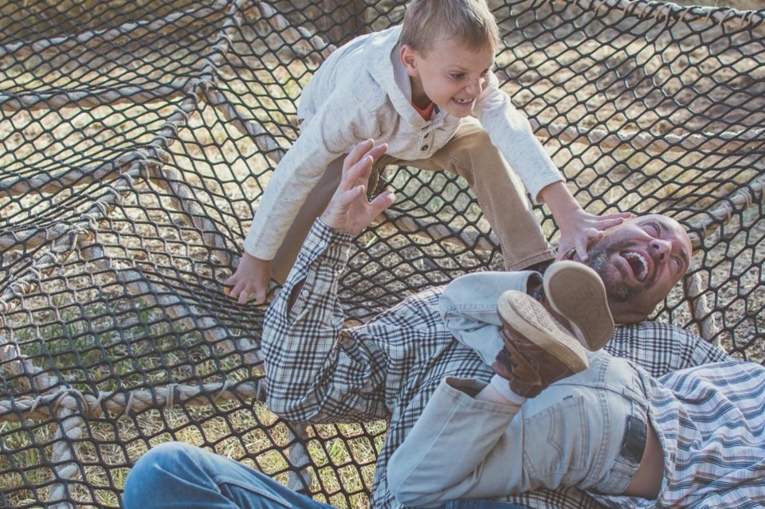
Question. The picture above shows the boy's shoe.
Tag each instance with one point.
(576, 293)
(538, 351)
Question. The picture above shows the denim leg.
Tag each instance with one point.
(181, 476)
(468, 307)
(577, 431)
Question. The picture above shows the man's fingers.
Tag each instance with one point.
(358, 165)
(382, 201)
(358, 156)
(378, 150)
(357, 174)
(357, 153)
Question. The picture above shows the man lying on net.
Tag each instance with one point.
(320, 371)
(555, 415)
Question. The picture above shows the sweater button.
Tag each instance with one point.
(425, 147)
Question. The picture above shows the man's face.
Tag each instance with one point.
(450, 74)
(640, 261)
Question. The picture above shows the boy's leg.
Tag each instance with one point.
(578, 427)
(468, 306)
(177, 475)
(572, 292)
(500, 193)
(588, 430)
(312, 208)
(314, 205)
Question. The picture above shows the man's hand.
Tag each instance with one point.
(349, 210)
(251, 278)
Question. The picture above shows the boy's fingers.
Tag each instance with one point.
(583, 241)
(610, 221)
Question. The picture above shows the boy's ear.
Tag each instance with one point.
(409, 59)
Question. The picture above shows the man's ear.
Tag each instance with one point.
(409, 59)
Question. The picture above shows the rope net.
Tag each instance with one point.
(138, 138)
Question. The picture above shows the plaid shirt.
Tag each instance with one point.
(320, 371)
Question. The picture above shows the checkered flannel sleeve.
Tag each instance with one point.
(314, 370)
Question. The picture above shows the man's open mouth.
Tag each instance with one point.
(638, 263)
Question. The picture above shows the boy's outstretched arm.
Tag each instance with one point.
(577, 227)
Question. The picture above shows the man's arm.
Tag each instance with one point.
(316, 371)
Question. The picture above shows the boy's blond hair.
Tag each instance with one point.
(427, 22)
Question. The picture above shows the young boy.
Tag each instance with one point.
(425, 89)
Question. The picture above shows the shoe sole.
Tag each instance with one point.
(530, 319)
(576, 292)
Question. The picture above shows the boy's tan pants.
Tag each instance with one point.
(470, 154)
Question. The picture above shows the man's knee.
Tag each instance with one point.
(143, 484)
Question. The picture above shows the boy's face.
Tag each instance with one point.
(450, 74)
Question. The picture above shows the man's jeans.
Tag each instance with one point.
(181, 476)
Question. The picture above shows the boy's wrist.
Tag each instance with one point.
(560, 201)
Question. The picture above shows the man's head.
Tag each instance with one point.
(447, 48)
(640, 261)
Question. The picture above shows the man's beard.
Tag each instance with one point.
(598, 261)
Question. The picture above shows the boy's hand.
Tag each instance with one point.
(577, 227)
(580, 228)
(349, 210)
(251, 278)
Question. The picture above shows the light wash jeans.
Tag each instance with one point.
(181, 476)
(468, 306)
(586, 431)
